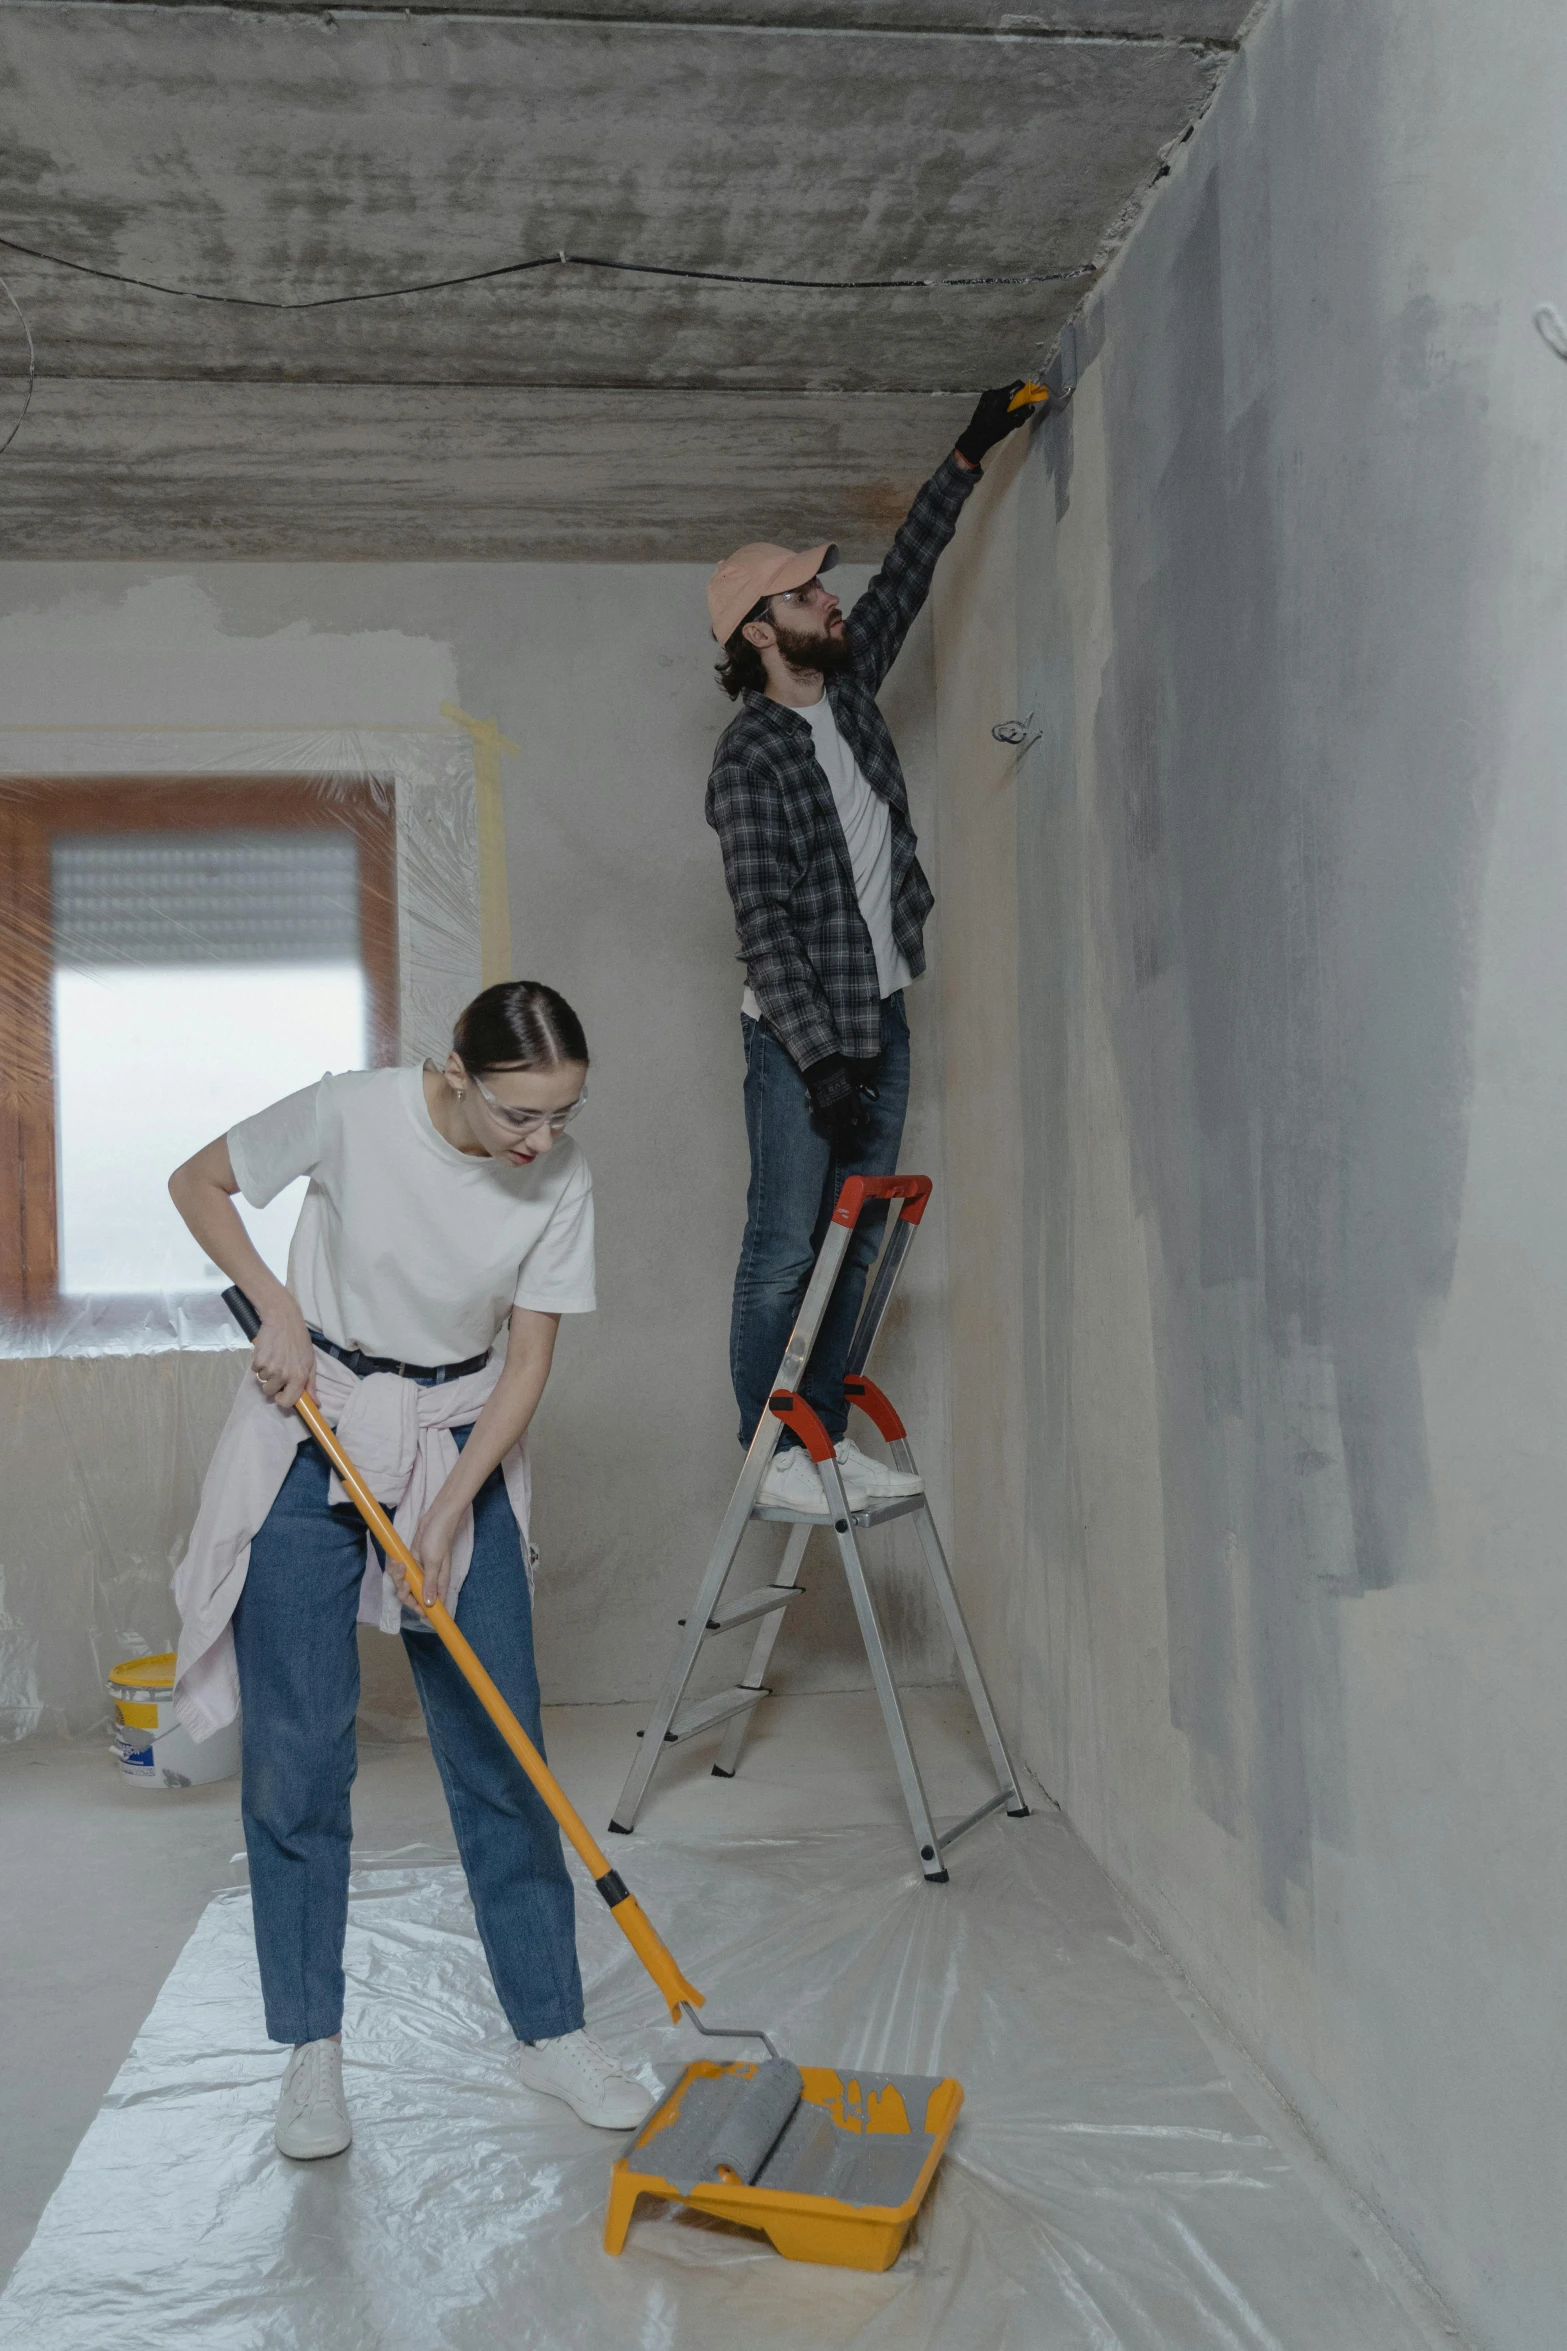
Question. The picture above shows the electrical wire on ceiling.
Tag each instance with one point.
(560, 260)
(504, 269)
(32, 367)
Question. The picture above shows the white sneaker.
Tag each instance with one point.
(574, 2067)
(878, 1481)
(312, 2113)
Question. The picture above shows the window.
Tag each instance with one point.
(177, 954)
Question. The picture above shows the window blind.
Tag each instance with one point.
(232, 896)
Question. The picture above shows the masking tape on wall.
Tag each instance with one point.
(489, 746)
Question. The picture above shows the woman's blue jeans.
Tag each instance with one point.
(796, 1176)
(299, 1679)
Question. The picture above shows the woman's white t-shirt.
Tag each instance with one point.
(405, 1246)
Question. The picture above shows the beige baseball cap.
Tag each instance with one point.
(751, 573)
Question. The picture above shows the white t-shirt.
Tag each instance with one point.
(867, 833)
(405, 1246)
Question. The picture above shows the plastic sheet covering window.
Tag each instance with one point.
(191, 924)
(1105, 2189)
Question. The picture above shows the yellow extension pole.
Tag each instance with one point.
(624, 1907)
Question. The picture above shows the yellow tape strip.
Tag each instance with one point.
(489, 746)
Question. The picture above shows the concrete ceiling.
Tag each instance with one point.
(292, 156)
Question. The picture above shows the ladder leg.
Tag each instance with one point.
(925, 1839)
(651, 1745)
(755, 1675)
(730, 1535)
(737, 1517)
(968, 1663)
(802, 1338)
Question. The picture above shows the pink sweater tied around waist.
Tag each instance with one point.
(398, 1435)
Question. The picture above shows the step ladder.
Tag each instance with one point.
(767, 1605)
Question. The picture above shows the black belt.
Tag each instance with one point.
(435, 1373)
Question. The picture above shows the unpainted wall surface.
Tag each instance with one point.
(1286, 1564)
(603, 676)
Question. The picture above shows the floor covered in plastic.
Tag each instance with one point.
(1105, 2188)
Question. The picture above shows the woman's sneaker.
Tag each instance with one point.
(574, 2067)
(312, 2113)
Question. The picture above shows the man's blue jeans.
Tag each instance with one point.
(796, 1176)
(299, 1679)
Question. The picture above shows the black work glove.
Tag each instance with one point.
(991, 422)
(837, 1102)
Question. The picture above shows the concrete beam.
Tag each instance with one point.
(284, 158)
(181, 472)
(570, 327)
(1136, 20)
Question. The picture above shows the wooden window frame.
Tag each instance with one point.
(35, 814)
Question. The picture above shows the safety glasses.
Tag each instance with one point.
(526, 1122)
(806, 593)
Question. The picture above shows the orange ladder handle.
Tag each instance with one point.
(624, 1907)
(796, 1414)
(876, 1405)
(912, 1190)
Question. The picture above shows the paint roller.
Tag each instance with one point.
(756, 2121)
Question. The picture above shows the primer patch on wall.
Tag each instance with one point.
(160, 656)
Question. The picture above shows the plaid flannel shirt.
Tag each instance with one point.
(803, 940)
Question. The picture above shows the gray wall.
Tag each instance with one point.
(602, 675)
(1283, 1625)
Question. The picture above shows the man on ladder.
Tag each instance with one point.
(808, 801)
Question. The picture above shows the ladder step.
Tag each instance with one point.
(765, 1601)
(702, 1716)
(874, 1514)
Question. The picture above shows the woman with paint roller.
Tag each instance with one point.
(445, 1204)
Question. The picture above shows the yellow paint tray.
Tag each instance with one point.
(841, 2185)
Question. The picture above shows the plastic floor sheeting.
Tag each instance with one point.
(1104, 2188)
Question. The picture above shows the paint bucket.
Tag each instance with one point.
(153, 1750)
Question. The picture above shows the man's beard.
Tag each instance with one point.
(829, 655)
